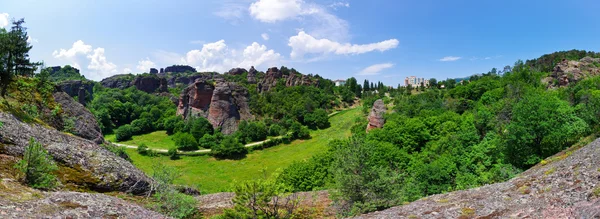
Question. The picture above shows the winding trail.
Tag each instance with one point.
(207, 151)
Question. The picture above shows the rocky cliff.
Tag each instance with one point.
(83, 90)
(82, 163)
(375, 118)
(223, 103)
(568, 71)
(273, 76)
(117, 81)
(566, 185)
(85, 124)
(180, 69)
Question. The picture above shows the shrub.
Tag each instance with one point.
(299, 131)
(142, 149)
(69, 125)
(170, 201)
(173, 154)
(124, 133)
(37, 166)
(252, 131)
(275, 130)
(185, 141)
(142, 126)
(317, 119)
(208, 141)
(171, 123)
(119, 151)
(229, 147)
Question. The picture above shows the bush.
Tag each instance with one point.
(173, 154)
(142, 149)
(171, 202)
(299, 131)
(124, 133)
(275, 130)
(229, 147)
(37, 167)
(119, 151)
(254, 199)
(171, 123)
(208, 141)
(317, 119)
(142, 126)
(252, 131)
(185, 141)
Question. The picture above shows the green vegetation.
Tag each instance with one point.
(62, 74)
(156, 139)
(37, 167)
(169, 201)
(215, 175)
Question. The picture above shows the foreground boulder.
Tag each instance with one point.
(223, 103)
(85, 124)
(375, 118)
(82, 162)
(564, 186)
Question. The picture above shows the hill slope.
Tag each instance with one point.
(566, 185)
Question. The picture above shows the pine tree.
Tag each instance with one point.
(14, 55)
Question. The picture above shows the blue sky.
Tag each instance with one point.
(379, 40)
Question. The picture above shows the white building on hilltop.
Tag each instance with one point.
(339, 82)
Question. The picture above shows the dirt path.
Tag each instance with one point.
(203, 151)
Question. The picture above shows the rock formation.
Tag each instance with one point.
(567, 186)
(375, 118)
(237, 71)
(567, 71)
(223, 103)
(94, 167)
(117, 81)
(273, 75)
(252, 75)
(180, 69)
(85, 123)
(150, 84)
(84, 90)
(153, 71)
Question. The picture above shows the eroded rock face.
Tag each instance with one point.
(252, 75)
(150, 84)
(153, 71)
(567, 71)
(180, 69)
(117, 81)
(223, 103)
(105, 171)
(84, 90)
(237, 71)
(273, 75)
(562, 188)
(85, 123)
(375, 118)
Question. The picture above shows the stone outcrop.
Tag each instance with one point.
(180, 69)
(568, 71)
(566, 186)
(90, 165)
(83, 90)
(186, 80)
(273, 75)
(252, 75)
(237, 71)
(117, 81)
(153, 71)
(375, 118)
(85, 123)
(223, 103)
(150, 84)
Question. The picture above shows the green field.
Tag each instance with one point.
(212, 175)
(156, 140)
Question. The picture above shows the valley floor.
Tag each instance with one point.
(211, 175)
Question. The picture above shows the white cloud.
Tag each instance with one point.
(126, 70)
(78, 48)
(218, 57)
(4, 21)
(271, 11)
(318, 21)
(197, 42)
(100, 66)
(232, 11)
(145, 65)
(450, 58)
(265, 36)
(337, 5)
(304, 43)
(375, 69)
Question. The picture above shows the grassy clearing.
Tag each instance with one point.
(212, 175)
(157, 139)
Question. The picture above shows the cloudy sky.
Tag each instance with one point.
(384, 40)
